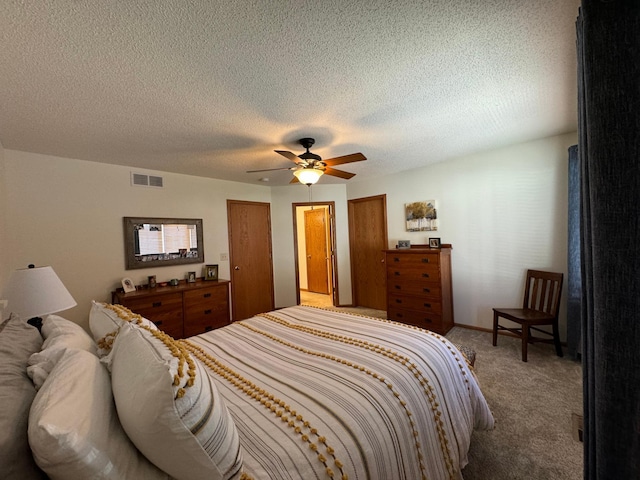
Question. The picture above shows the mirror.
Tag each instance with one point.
(160, 242)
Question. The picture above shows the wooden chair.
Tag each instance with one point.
(540, 307)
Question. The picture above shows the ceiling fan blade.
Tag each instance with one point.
(271, 169)
(354, 157)
(338, 173)
(291, 156)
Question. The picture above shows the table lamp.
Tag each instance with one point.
(34, 292)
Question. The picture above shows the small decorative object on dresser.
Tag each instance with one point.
(191, 277)
(419, 287)
(152, 281)
(404, 243)
(210, 272)
(434, 242)
(127, 285)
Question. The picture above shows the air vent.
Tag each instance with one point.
(142, 180)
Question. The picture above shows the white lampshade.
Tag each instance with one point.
(308, 176)
(34, 292)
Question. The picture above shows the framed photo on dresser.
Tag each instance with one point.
(434, 242)
(210, 272)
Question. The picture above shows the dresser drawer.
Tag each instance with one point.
(163, 310)
(430, 321)
(421, 304)
(205, 323)
(205, 309)
(408, 260)
(413, 272)
(422, 288)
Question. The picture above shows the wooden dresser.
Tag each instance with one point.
(419, 287)
(183, 310)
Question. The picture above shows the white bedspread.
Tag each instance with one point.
(362, 398)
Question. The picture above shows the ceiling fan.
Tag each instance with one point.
(310, 167)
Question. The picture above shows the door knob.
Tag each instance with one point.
(236, 267)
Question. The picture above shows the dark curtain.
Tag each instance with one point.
(609, 148)
(574, 280)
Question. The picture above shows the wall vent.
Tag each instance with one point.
(142, 180)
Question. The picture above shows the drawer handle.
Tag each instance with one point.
(158, 323)
(208, 328)
(207, 295)
(399, 315)
(156, 304)
(398, 300)
(425, 275)
(428, 320)
(207, 312)
(427, 290)
(425, 260)
(428, 305)
(396, 259)
(398, 287)
(396, 273)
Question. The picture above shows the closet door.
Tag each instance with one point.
(250, 258)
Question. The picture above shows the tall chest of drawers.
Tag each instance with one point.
(419, 287)
(181, 311)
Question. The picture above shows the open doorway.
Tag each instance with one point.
(315, 257)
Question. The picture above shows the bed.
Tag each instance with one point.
(297, 393)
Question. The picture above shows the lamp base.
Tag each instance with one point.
(35, 322)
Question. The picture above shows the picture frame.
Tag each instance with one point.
(210, 272)
(404, 244)
(191, 277)
(127, 285)
(152, 281)
(434, 242)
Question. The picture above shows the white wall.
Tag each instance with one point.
(68, 214)
(503, 211)
(4, 255)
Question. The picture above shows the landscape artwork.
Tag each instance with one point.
(421, 216)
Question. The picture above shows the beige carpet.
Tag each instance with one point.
(532, 404)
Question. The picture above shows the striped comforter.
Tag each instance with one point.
(317, 394)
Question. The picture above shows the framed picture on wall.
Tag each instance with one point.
(210, 272)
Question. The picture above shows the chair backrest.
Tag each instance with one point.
(542, 291)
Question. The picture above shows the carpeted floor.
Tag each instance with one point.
(532, 404)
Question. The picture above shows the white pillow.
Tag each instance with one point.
(105, 320)
(161, 425)
(60, 335)
(74, 431)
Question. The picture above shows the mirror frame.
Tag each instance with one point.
(132, 263)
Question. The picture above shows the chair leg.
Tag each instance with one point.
(556, 339)
(525, 341)
(495, 328)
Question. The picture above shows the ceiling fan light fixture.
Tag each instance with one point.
(307, 175)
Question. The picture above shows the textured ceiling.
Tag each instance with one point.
(211, 88)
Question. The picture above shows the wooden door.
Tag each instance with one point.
(250, 258)
(315, 234)
(368, 240)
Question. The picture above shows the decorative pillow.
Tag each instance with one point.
(74, 429)
(104, 319)
(18, 341)
(170, 407)
(60, 335)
